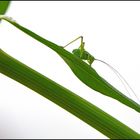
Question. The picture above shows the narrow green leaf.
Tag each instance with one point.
(66, 99)
(4, 6)
(81, 69)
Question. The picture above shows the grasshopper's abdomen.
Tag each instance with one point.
(77, 52)
(84, 55)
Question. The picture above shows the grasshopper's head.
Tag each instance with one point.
(90, 59)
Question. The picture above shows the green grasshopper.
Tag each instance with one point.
(81, 52)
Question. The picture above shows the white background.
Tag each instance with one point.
(111, 31)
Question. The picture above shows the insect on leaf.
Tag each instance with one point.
(82, 70)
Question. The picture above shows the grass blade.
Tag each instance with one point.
(81, 69)
(4, 6)
(66, 99)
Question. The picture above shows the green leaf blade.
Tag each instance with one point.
(4, 6)
(66, 99)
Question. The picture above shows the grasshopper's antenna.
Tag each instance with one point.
(121, 79)
(80, 37)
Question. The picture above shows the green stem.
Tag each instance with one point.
(66, 99)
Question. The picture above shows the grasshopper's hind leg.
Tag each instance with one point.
(80, 37)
